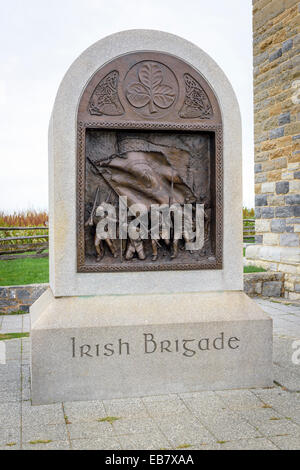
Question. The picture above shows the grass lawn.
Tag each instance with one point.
(36, 270)
(24, 271)
(13, 336)
(253, 269)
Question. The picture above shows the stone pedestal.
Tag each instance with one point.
(102, 347)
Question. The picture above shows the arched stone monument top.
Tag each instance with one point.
(64, 276)
(118, 44)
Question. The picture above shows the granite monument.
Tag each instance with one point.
(146, 277)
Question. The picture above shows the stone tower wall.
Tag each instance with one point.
(276, 46)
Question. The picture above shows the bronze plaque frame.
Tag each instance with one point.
(116, 112)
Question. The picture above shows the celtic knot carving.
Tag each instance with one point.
(105, 99)
(196, 102)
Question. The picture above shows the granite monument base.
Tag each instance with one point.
(103, 347)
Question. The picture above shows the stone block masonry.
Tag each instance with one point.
(20, 298)
(266, 284)
(276, 47)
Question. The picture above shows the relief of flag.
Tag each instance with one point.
(147, 173)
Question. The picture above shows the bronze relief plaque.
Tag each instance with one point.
(149, 133)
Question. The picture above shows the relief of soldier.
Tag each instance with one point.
(165, 230)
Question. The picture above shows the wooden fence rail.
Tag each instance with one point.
(9, 229)
(248, 230)
(9, 250)
(28, 237)
(13, 247)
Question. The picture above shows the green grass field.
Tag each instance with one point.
(253, 269)
(36, 270)
(24, 271)
(5, 336)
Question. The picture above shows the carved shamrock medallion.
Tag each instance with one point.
(151, 88)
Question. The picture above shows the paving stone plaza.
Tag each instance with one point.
(237, 419)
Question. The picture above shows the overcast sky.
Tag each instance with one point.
(41, 38)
